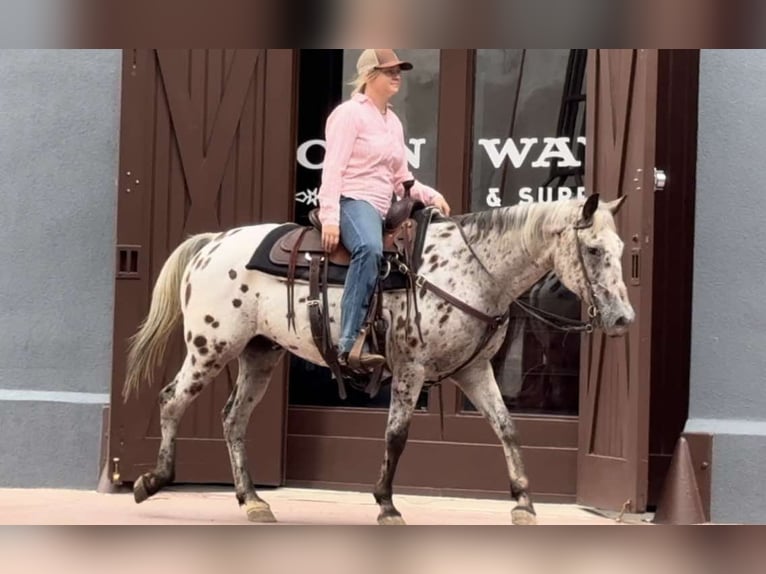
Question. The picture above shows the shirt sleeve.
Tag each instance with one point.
(340, 134)
(419, 190)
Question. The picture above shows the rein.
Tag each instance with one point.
(495, 322)
(566, 324)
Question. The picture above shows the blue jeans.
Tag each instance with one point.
(361, 231)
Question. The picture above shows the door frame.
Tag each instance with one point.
(342, 448)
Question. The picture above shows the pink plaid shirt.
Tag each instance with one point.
(365, 158)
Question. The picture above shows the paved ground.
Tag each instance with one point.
(202, 505)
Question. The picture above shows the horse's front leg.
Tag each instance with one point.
(478, 383)
(405, 390)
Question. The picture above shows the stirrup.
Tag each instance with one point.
(358, 360)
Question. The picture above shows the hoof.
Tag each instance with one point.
(260, 512)
(140, 492)
(523, 517)
(391, 520)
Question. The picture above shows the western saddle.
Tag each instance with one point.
(403, 234)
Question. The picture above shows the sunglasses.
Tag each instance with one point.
(391, 71)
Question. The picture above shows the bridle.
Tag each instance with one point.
(569, 325)
(494, 322)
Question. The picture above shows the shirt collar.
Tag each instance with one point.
(360, 97)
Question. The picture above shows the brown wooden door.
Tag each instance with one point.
(207, 143)
(615, 372)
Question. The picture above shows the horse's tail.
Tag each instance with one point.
(148, 344)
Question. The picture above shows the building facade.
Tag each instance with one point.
(153, 145)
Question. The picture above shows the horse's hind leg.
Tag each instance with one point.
(174, 399)
(405, 390)
(199, 368)
(256, 365)
(479, 385)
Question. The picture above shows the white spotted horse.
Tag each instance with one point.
(446, 288)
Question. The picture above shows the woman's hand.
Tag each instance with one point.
(441, 204)
(330, 237)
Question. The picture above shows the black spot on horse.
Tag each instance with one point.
(193, 360)
(188, 336)
(444, 319)
(219, 347)
(434, 258)
(302, 300)
(200, 341)
(232, 274)
(237, 303)
(429, 248)
(195, 388)
(209, 319)
(188, 294)
(400, 322)
(208, 364)
(215, 324)
(196, 375)
(244, 288)
(203, 351)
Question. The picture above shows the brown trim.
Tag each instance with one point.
(453, 177)
(554, 432)
(456, 70)
(428, 464)
(428, 491)
(280, 109)
(534, 431)
(677, 102)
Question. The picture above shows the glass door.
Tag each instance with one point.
(529, 146)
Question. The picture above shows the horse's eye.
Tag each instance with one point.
(595, 251)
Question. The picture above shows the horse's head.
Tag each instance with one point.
(587, 257)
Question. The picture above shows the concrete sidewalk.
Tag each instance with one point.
(205, 505)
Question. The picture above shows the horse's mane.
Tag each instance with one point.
(529, 219)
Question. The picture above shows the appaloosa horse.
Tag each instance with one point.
(484, 260)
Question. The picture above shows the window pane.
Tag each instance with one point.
(324, 82)
(529, 128)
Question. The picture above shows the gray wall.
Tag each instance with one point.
(728, 354)
(59, 133)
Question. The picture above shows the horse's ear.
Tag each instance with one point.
(590, 207)
(615, 205)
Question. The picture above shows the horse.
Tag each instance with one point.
(474, 265)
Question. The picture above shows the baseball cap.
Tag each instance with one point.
(372, 59)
